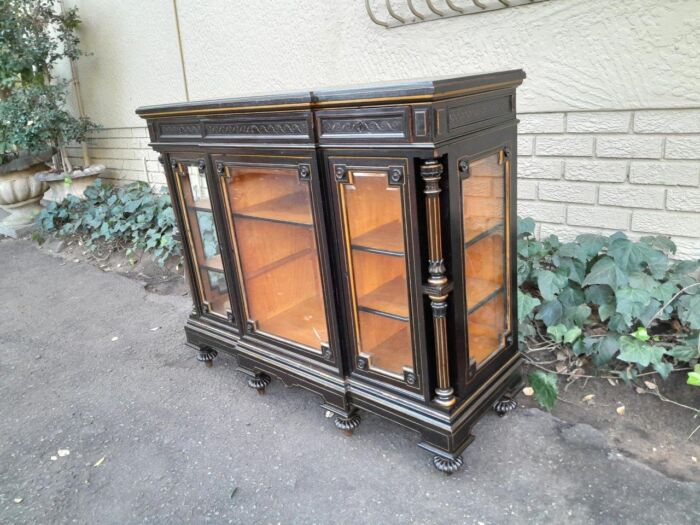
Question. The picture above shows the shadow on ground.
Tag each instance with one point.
(183, 443)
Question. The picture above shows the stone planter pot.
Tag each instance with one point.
(80, 179)
(20, 194)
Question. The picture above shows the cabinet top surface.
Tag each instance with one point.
(407, 91)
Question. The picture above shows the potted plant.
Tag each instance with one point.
(34, 124)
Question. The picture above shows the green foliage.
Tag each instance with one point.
(694, 376)
(616, 303)
(545, 386)
(130, 216)
(34, 36)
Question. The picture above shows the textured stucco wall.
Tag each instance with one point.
(610, 133)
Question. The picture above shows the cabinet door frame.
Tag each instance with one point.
(503, 139)
(330, 355)
(201, 306)
(381, 161)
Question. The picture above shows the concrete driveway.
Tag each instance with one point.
(154, 437)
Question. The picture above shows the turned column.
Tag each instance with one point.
(438, 288)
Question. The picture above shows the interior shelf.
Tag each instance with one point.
(392, 353)
(388, 298)
(480, 228)
(263, 270)
(479, 291)
(484, 340)
(292, 209)
(201, 205)
(213, 263)
(385, 238)
(304, 322)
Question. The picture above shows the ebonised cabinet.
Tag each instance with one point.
(357, 242)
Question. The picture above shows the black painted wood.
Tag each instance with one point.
(394, 128)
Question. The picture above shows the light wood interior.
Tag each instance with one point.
(483, 208)
(387, 342)
(206, 254)
(275, 239)
(487, 329)
(375, 234)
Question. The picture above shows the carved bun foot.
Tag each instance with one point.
(206, 356)
(448, 465)
(259, 382)
(348, 424)
(504, 405)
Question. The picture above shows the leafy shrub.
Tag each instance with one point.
(131, 216)
(619, 304)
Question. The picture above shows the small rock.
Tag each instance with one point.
(620, 410)
(18, 500)
(528, 391)
(54, 458)
(63, 452)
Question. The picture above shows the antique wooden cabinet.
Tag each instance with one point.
(357, 242)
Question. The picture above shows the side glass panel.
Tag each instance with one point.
(373, 221)
(276, 244)
(483, 211)
(203, 239)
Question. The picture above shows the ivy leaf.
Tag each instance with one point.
(605, 349)
(575, 268)
(642, 281)
(664, 368)
(693, 377)
(577, 316)
(599, 294)
(550, 312)
(684, 353)
(631, 301)
(633, 350)
(641, 334)
(605, 271)
(633, 256)
(526, 227)
(575, 251)
(605, 311)
(572, 334)
(591, 243)
(558, 332)
(526, 304)
(665, 244)
(545, 386)
(692, 314)
(572, 295)
(550, 283)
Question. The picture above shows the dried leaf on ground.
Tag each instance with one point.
(650, 385)
(588, 398)
(99, 462)
(620, 410)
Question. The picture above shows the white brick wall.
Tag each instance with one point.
(603, 171)
(579, 172)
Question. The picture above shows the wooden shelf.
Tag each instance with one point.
(481, 228)
(304, 322)
(278, 263)
(292, 209)
(390, 298)
(200, 205)
(393, 353)
(385, 238)
(478, 290)
(213, 263)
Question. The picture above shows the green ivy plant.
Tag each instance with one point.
(620, 305)
(131, 217)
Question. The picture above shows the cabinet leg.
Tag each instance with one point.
(259, 382)
(448, 465)
(504, 405)
(206, 355)
(348, 424)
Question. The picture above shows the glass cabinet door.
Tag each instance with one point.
(199, 222)
(484, 214)
(371, 206)
(275, 241)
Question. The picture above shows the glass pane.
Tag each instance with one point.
(483, 208)
(374, 233)
(205, 242)
(276, 243)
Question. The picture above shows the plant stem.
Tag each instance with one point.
(680, 292)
